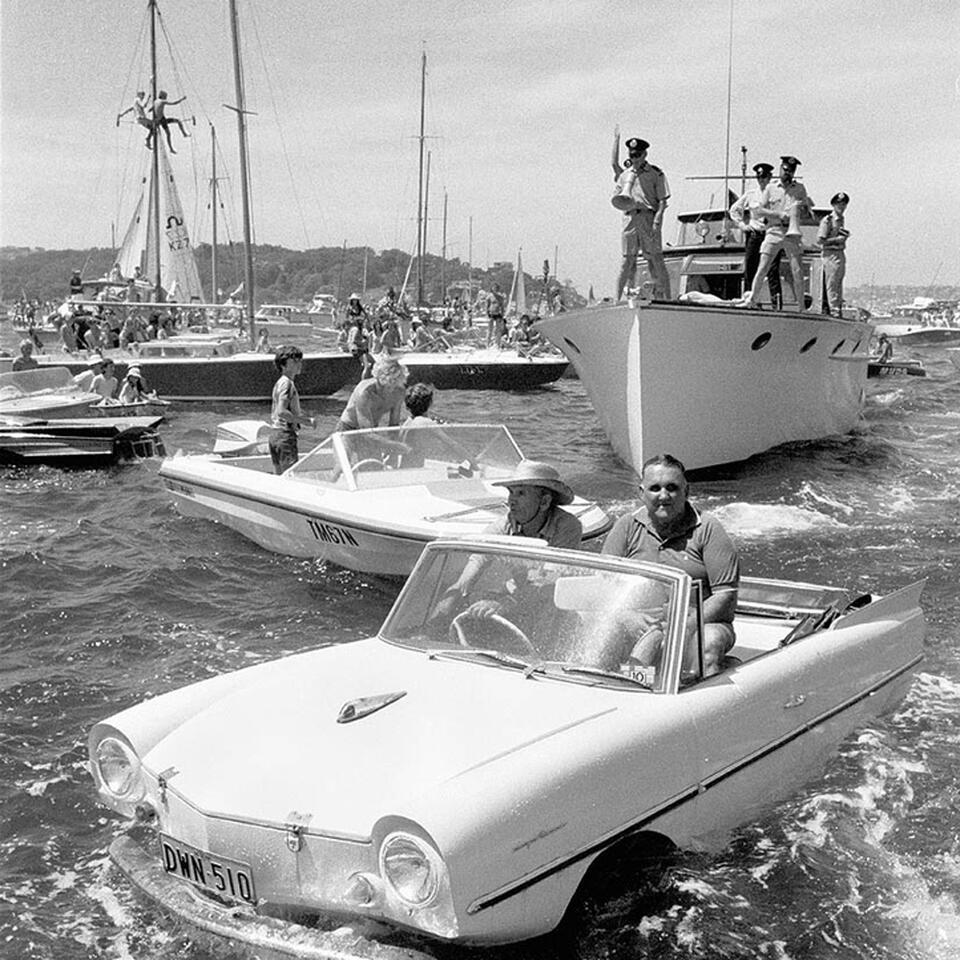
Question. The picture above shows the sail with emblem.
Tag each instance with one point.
(179, 276)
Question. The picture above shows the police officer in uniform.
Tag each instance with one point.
(754, 227)
(645, 185)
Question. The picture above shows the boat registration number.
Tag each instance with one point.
(228, 878)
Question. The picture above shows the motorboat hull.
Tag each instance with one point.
(295, 519)
(918, 335)
(895, 368)
(714, 384)
(488, 370)
(81, 442)
(368, 500)
(241, 377)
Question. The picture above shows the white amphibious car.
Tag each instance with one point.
(367, 500)
(469, 773)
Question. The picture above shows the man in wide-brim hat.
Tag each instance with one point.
(535, 494)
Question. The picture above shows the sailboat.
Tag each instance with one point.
(157, 255)
(138, 254)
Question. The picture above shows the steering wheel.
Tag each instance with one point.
(371, 463)
(511, 629)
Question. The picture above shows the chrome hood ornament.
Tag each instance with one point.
(364, 706)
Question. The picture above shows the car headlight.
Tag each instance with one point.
(411, 868)
(119, 770)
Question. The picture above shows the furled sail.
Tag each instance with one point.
(521, 288)
(178, 266)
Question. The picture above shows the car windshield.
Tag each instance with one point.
(596, 620)
(399, 456)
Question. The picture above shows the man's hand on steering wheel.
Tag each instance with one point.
(483, 609)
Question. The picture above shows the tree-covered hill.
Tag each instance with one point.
(280, 275)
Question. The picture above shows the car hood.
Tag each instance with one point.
(274, 744)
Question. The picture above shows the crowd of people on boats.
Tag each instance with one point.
(391, 325)
(769, 216)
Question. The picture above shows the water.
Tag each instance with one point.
(109, 596)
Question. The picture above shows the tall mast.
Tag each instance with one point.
(726, 149)
(470, 262)
(443, 254)
(426, 210)
(213, 210)
(240, 110)
(423, 88)
(155, 178)
(343, 254)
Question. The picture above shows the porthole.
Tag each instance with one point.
(836, 349)
(856, 346)
(572, 345)
(761, 341)
(808, 344)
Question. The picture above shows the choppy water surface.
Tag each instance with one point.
(109, 596)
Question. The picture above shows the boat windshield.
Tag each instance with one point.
(200, 346)
(591, 621)
(398, 456)
(39, 380)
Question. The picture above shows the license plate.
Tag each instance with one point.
(227, 878)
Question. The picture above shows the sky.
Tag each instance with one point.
(521, 102)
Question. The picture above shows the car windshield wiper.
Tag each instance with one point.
(477, 653)
(554, 667)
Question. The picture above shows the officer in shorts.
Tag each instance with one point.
(642, 193)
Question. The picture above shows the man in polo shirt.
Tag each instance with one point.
(668, 529)
(784, 203)
(754, 228)
(642, 193)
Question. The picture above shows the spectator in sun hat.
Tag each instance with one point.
(536, 495)
(134, 387)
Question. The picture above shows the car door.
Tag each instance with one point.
(756, 735)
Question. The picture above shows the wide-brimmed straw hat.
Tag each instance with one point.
(534, 473)
(95, 359)
(134, 371)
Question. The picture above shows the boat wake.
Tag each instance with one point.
(762, 520)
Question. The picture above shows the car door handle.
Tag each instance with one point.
(798, 701)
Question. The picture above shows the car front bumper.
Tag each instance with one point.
(243, 924)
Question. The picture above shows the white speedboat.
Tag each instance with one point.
(919, 333)
(708, 381)
(369, 500)
(44, 392)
